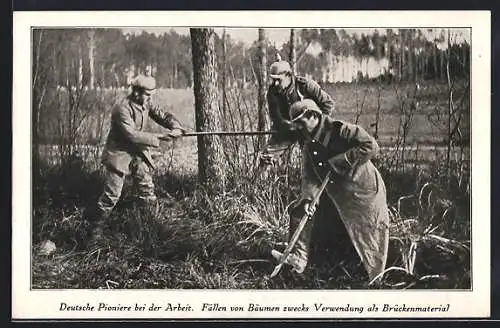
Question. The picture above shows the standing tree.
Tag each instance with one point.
(411, 64)
(262, 76)
(39, 89)
(293, 53)
(224, 74)
(210, 155)
(402, 45)
(91, 34)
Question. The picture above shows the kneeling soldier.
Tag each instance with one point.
(356, 187)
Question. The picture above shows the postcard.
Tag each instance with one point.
(202, 165)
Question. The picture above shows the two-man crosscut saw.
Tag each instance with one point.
(222, 133)
(167, 137)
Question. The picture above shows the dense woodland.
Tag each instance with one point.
(108, 58)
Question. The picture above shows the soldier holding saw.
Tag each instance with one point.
(127, 150)
(341, 152)
(285, 89)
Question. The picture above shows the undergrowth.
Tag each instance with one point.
(201, 239)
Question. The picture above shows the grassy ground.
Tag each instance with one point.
(206, 240)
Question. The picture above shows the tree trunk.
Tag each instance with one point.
(330, 66)
(434, 61)
(450, 112)
(442, 65)
(224, 75)
(91, 58)
(36, 105)
(176, 75)
(172, 76)
(262, 55)
(293, 53)
(401, 55)
(411, 64)
(102, 77)
(210, 154)
(80, 69)
(244, 72)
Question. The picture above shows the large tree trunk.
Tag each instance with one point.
(262, 55)
(293, 53)
(210, 154)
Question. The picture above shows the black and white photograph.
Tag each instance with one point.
(256, 159)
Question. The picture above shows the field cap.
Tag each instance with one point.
(299, 108)
(144, 82)
(279, 68)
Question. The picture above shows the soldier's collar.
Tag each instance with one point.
(290, 87)
(322, 133)
(136, 105)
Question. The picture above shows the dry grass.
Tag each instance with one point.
(424, 253)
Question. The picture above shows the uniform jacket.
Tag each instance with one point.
(356, 187)
(300, 88)
(127, 138)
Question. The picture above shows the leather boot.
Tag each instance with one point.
(296, 260)
(96, 219)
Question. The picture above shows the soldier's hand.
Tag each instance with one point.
(308, 209)
(176, 133)
(164, 136)
(301, 207)
(288, 126)
(266, 159)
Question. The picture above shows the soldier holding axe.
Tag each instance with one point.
(336, 162)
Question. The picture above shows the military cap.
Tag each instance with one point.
(144, 82)
(299, 108)
(279, 69)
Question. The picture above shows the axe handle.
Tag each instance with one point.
(302, 224)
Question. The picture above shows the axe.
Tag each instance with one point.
(302, 224)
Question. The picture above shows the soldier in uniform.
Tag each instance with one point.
(356, 193)
(127, 150)
(286, 89)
